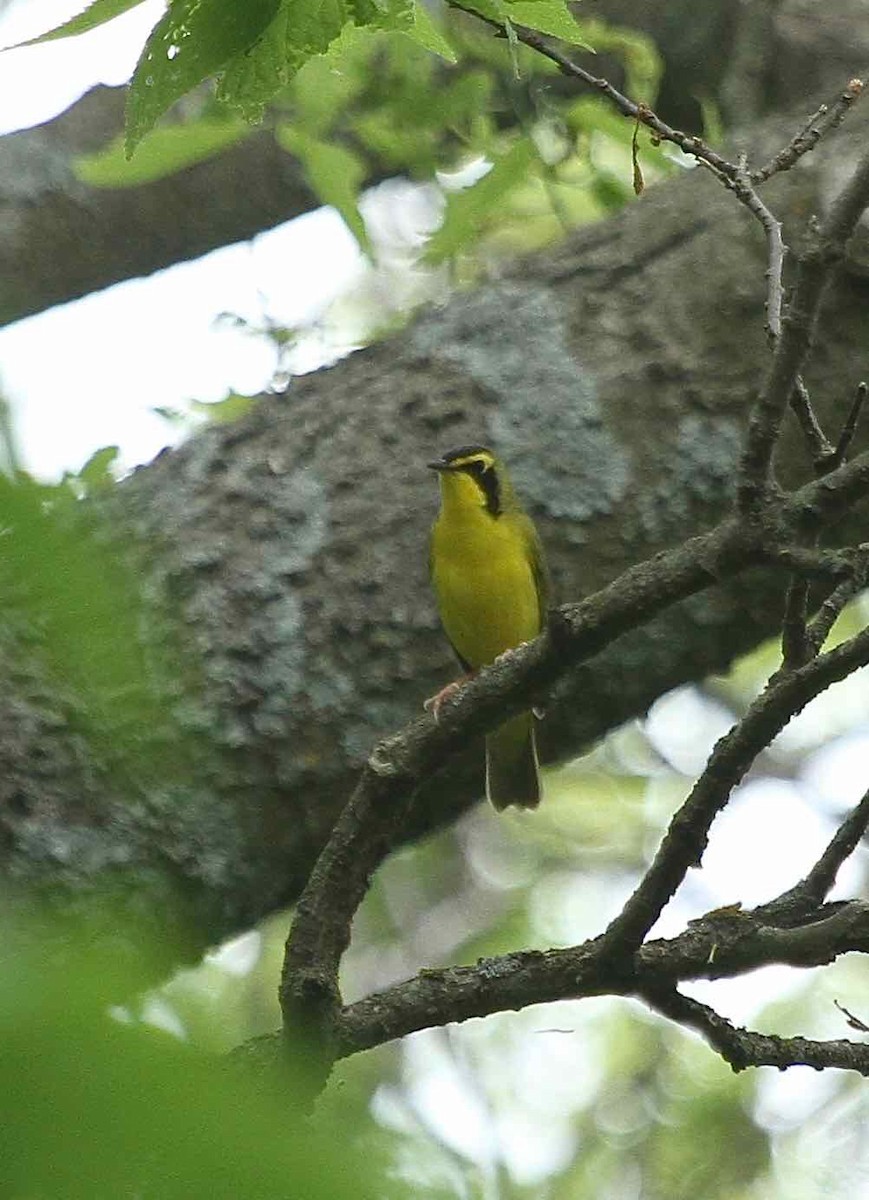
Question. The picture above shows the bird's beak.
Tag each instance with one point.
(440, 465)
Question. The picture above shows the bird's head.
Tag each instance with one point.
(472, 476)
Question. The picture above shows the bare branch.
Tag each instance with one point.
(850, 427)
(820, 450)
(720, 945)
(829, 612)
(826, 500)
(618, 962)
(817, 564)
(685, 840)
(745, 193)
(686, 142)
(794, 640)
(743, 1048)
(826, 247)
(370, 824)
(826, 119)
(812, 890)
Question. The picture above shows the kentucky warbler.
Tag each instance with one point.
(489, 578)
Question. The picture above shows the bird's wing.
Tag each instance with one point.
(538, 565)
(463, 663)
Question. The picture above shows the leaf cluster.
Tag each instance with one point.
(356, 88)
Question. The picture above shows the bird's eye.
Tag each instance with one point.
(478, 466)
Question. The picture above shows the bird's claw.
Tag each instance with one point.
(434, 703)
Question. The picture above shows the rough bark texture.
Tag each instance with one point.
(611, 372)
(60, 239)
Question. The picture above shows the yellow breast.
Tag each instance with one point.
(484, 583)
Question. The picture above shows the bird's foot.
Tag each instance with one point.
(434, 703)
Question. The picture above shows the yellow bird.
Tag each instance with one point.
(490, 582)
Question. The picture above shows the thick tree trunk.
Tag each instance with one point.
(612, 373)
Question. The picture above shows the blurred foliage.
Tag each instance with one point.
(73, 607)
(96, 1105)
(165, 151)
(356, 88)
(68, 596)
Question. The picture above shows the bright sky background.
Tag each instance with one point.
(90, 373)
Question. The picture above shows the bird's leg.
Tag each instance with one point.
(434, 703)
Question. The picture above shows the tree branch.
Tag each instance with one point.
(617, 961)
(826, 248)
(813, 889)
(825, 120)
(720, 945)
(685, 840)
(743, 1048)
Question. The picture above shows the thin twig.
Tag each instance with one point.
(854, 1021)
(828, 499)
(820, 449)
(794, 640)
(776, 248)
(826, 247)
(821, 123)
(846, 437)
(743, 1048)
(815, 564)
(816, 885)
(829, 612)
(799, 642)
(687, 143)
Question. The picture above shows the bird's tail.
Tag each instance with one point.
(512, 776)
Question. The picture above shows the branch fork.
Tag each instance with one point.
(768, 527)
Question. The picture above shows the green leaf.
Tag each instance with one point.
(427, 34)
(64, 580)
(96, 474)
(96, 13)
(225, 411)
(394, 15)
(637, 54)
(420, 117)
(162, 152)
(335, 174)
(193, 41)
(493, 10)
(548, 16)
(327, 83)
(470, 210)
(513, 44)
(299, 30)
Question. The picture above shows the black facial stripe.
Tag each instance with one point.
(487, 478)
